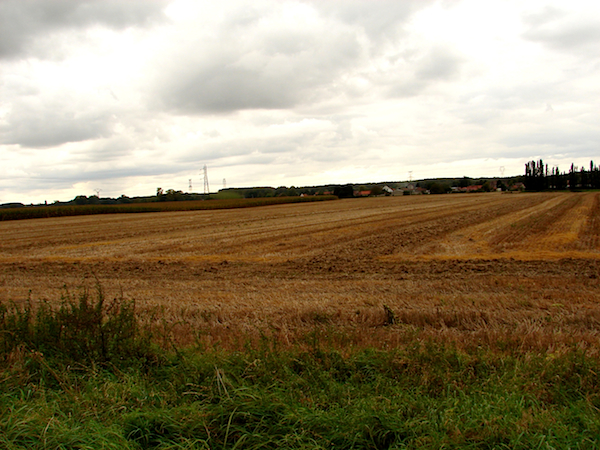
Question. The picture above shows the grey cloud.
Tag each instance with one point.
(405, 88)
(545, 15)
(243, 159)
(110, 181)
(67, 175)
(495, 104)
(415, 71)
(290, 43)
(253, 63)
(212, 152)
(439, 64)
(213, 133)
(283, 69)
(224, 89)
(381, 20)
(576, 142)
(103, 150)
(143, 168)
(30, 127)
(252, 148)
(568, 38)
(24, 21)
(562, 31)
(315, 144)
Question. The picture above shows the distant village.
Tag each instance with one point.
(538, 177)
(411, 188)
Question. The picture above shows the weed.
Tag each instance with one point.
(390, 316)
(84, 330)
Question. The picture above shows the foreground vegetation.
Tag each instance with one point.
(96, 374)
(198, 205)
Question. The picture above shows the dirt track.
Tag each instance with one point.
(455, 265)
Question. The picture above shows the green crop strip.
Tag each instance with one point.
(38, 212)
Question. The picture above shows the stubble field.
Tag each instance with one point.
(509, 273)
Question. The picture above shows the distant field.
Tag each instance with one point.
(38, 212)
(514, 271)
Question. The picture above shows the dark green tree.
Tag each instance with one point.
(81, 200)
(346, 191)
(437, 188)
(376, 190)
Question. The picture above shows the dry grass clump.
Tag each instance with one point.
(543, 313)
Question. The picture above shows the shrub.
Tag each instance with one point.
(86, 330)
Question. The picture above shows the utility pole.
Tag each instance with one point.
(206, 187)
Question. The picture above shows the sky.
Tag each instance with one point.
(121, 97)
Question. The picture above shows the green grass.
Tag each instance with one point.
(426, 396)
(38, 212)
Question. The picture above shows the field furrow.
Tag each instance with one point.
(466, 268)
(588, 237)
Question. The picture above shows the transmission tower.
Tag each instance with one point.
(190, 186)
(502, 171)
(410, 175)
(224, 183)
(206, 187)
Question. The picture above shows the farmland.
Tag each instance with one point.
(397, 322)
(467, 268)
(66, 210)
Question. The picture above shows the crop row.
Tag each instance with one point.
(82, 210)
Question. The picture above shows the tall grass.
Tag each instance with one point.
(85, 375)
(82, 330)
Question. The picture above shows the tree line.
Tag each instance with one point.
(539, 178)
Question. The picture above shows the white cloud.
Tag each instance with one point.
(129, 96)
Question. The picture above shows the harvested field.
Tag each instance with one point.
(508, 272)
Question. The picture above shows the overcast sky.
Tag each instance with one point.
(124, 96)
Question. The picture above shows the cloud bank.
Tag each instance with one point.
(128, 96)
